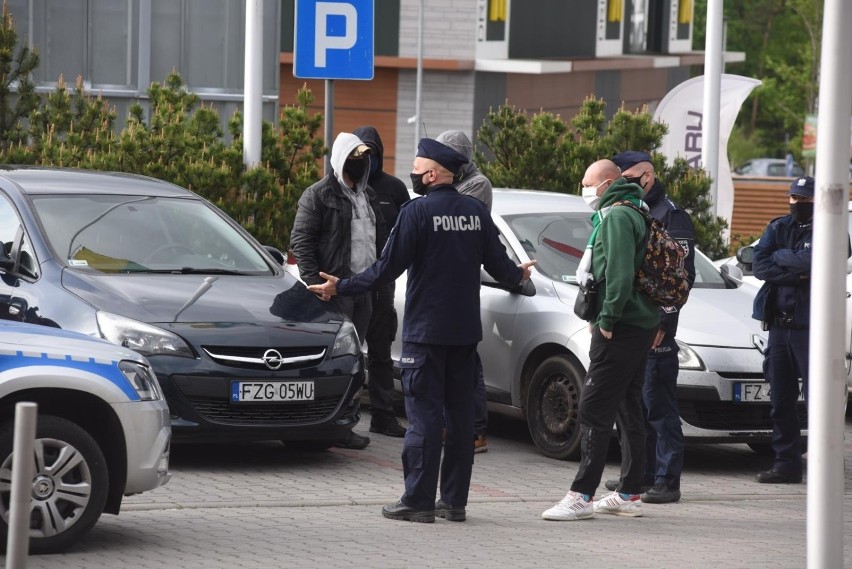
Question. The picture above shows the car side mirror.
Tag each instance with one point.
(276, 254)
(732, 271)
(526, 288)
(745, 255)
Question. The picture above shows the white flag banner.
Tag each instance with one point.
(682, 109)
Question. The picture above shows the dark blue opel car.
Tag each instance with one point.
(241, 349)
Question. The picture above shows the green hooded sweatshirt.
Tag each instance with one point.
(617, 253)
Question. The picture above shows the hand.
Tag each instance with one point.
(326, 290)
(606, 334)
(527, 270)
(658, 339)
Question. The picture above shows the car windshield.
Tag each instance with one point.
(143, 234)
(556, 240)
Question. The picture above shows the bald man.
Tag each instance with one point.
(622, 333)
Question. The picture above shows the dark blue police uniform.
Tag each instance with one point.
(442, 239)
(782, 259)
(664, 444)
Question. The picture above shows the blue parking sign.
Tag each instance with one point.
(333, 39)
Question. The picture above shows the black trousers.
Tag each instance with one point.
(786, 360)
(613, 389)
(438, 383)
(380, 335)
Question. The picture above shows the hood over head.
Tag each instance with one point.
(370, 136)
(347, 144)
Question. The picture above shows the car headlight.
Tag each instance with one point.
(142, 379)
(687, 358)
(140, 337)
(346, 342)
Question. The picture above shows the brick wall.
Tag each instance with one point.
(449, 29)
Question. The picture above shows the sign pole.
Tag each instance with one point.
(329, 124)
(333, 40)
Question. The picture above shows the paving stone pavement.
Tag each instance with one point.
(260, 505)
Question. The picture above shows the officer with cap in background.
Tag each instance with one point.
(782, 259)
(664, 445)
(442, 239)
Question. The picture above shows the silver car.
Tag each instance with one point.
(535, 350)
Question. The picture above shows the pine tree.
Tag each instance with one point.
(17, 91)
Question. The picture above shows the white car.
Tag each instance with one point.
(741, 264)
(535, 350)
(103, 429)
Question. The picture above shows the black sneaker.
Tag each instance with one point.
(353, 441)
(400, 511)
(386, 424)
(775, 476)
(444, 510)
(661, 494)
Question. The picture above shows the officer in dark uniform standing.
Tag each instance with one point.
(782, 259)
(391, 193)
(664, 444)
(442, 239)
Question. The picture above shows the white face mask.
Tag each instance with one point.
(590, 194)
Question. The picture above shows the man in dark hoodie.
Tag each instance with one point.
(664, 446)
(336, 229)
(381, 331)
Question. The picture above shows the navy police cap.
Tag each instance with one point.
(802, 187)
(442, 154)
(629, 158)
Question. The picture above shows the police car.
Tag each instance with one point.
(103, 429)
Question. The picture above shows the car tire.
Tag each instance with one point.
(83, 465)
(552, 407)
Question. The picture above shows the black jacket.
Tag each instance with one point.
(321, 239)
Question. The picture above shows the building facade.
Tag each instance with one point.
(119, 47)
(478, 54)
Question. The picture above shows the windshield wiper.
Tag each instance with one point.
(187, 271)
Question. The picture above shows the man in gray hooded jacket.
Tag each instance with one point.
(470, 181)
(337, 226)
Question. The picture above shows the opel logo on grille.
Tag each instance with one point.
(272, 359)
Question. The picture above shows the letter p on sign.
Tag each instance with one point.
(327, 20)
(333, 39)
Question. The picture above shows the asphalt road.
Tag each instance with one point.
(261, 505)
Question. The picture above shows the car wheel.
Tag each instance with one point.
(69, 488)
(552, 408)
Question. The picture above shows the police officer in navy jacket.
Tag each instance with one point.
(782, 259)
(442, 239)
(664, 443)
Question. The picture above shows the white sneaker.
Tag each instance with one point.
(573, 506)
(613, 503)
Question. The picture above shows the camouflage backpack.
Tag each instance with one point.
(662, 276)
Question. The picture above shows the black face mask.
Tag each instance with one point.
(635, 180)
(355, 169)
(417, 183)
(802, 211)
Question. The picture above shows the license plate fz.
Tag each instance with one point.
(757, 392)
(271, 391)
